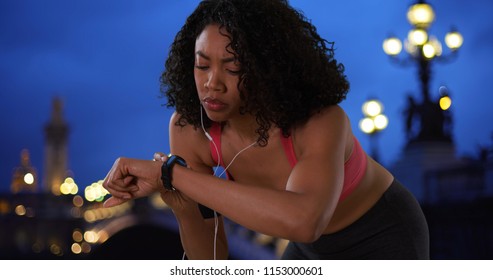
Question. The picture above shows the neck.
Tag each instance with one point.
(244, 127)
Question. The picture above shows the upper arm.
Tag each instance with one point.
(191, 144)
(319, 173)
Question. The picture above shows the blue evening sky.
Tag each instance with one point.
(104, 59)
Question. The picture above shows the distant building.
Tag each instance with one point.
(56, 149)
(25, 176)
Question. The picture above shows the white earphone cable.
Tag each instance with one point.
(216, 219)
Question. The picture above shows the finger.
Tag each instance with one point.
(158, 156)
(113, 201)
(117, 177)
(127, 180)
(117, 182)
(129, 184)
(124, 192)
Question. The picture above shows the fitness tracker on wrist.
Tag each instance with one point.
(167, 168)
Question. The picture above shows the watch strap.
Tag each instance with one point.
(167, 168)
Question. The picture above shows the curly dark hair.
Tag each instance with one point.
(288, 70)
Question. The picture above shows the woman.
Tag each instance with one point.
(256, 90)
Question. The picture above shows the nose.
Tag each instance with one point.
(214, 82)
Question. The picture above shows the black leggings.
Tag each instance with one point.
(394, 228)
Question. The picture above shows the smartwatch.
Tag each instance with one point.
(167, 168)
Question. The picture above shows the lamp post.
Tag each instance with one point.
(424, 49)
(372, 123)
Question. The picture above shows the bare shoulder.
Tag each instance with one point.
(329, 115)
(175, 128)
(328, 130)
(331, 120)
(189, 142)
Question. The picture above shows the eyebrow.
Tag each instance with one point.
(224, 60)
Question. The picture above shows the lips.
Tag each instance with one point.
(213, 104)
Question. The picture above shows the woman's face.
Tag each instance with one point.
(216, 74)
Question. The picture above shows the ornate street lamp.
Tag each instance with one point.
(373, 122)
(423, 49)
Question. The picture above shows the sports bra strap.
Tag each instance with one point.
(287, 144)
(215, 133)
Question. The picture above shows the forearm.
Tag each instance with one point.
(279, 213)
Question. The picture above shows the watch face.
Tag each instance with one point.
(176, 159)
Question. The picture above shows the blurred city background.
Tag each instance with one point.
(80, 87)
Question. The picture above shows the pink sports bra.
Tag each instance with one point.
(354, 167)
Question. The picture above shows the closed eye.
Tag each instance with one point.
(233, 72)
(201, 67)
